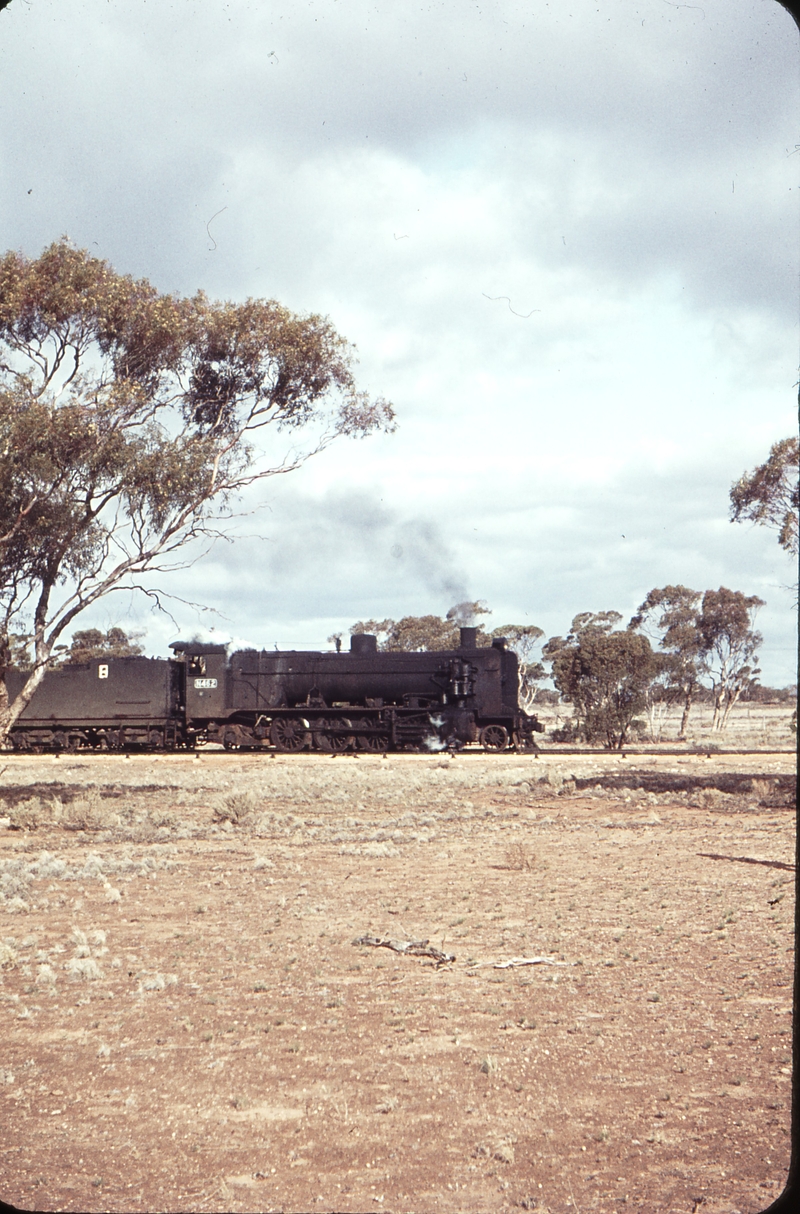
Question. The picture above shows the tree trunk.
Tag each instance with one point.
(687, 705)
(10, 713)
(42, 648)
(5, 662)
(730, 700)
(715, 720)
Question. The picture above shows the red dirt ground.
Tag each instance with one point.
(189, 1025)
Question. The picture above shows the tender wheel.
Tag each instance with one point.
(494, 738)
(230, 739)
(289, 734)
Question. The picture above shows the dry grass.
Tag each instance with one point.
(518, 858)
(22, 876)
(387, 1058)
(756, 726)
(238, 808)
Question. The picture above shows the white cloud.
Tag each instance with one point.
(618, 180)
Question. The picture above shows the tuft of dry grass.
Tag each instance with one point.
(518, 858)
(374, 849)
(87, 813)
(714, 799)
(156, 982)
(762, 790)
(32, 813)
(237, 808)
(85, 968)
(8, 956)
(46, 976)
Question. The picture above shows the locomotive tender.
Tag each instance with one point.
(289, 700)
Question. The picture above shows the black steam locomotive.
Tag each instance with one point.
(287, 700)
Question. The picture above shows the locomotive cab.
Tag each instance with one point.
(206, 681)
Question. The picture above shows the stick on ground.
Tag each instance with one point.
(408, 948)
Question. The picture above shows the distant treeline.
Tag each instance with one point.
(682, 647)
(704, 695)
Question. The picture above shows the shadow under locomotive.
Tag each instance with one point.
(290, 700)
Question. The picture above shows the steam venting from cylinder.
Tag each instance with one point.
(469, 638)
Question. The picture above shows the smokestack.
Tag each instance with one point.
(363, 643)
(469, 638)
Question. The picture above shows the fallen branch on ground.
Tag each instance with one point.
(408, 948)
(515, 961)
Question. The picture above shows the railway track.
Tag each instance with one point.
(213, 752)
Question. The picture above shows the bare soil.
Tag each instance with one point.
(189, 1025)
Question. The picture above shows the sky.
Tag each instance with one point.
(564, 238)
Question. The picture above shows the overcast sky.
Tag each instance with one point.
(563, 237)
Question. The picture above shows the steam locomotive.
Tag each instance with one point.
(287, 700)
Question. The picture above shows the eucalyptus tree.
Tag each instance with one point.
(707, 636)
(669, 615)
(89, 643)
(130, 423)
(730, 642)
(770, 494)
(604, 672)
(525, 639)
(420, 633)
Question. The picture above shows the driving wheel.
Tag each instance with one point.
(376, 743)
(330, 736)
(289, 734)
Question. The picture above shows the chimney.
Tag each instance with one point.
(362, 644)
(469, 638)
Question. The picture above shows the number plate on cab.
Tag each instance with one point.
(203, 683)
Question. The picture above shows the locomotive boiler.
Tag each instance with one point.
(288, 700)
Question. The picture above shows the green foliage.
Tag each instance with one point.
(708, 636)
(729, 641)
(756, 693)
(129, 423)
(419, 633)
(770, 494)
(669, 615)
(19, 651)
(92, 643)
(603, 673)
